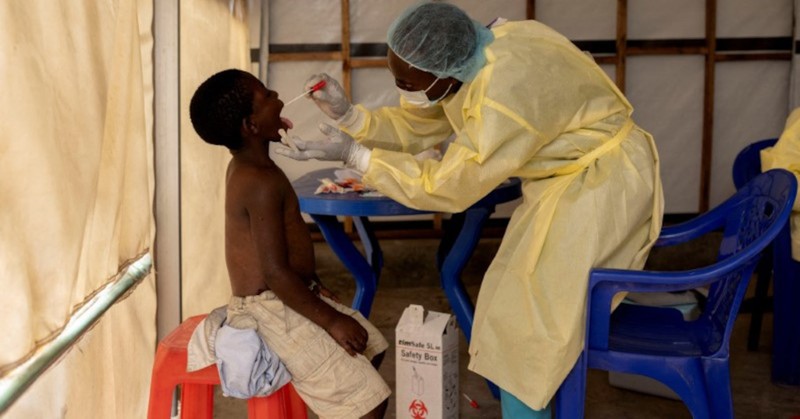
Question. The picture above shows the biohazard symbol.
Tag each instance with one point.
(417, 409)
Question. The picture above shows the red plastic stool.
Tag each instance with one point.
(197, 395)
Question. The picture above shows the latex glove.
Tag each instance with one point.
(338, 147)
(331, 99)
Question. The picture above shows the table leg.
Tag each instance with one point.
(366, 276)
(451, 230)
(461, 237)
(459, 242)
(372, 249)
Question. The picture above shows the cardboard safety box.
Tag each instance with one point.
(426, 364)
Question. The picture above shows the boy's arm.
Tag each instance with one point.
(265, 208)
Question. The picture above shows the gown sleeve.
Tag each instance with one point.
(405, 128)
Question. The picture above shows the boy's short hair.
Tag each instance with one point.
(219, 105)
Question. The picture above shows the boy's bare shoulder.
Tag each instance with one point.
(254, 180)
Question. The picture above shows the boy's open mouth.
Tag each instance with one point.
(286, 123)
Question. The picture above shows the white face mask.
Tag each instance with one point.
(419, 98)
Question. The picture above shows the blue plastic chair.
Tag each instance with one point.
(786, 287)
(746, 166)
(690, 357)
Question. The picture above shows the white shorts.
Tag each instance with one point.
(330, 381)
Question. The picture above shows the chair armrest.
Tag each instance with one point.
(692, 229)
(618, 280)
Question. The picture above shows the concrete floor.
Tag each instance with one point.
(409, 277)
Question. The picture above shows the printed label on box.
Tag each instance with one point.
(426, 365)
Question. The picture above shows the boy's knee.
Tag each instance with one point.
(378, 412)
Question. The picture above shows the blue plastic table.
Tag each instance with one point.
(461, 235)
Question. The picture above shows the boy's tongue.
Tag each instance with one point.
(287, 124)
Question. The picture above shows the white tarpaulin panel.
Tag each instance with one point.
(486, 11)
(751, 104)
(611, 71)
(748, 18)
(580, 19)
(675, 19)
(77, 191)
(370, 87)
(751, 99)
(667, 97)
(369, 19)
(214, 37)
(305, 22)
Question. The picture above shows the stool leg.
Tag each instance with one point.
(197, 401)
(160, 406)
(284, 403)
(297, 406)
(267, 407)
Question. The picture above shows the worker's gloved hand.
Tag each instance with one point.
(331, 99)
(338, 147)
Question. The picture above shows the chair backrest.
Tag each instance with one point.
(748, 162)
(754, 216)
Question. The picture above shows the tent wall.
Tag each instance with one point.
(77, 185)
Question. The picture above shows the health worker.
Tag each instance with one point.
(522, 102)
(785, 154)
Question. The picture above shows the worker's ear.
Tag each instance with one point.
(453, 82)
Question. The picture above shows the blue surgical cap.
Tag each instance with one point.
(441, 39)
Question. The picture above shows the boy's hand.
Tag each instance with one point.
(348, 334)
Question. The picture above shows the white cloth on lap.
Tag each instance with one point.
(247, 367)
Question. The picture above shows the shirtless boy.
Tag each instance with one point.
(326, 346)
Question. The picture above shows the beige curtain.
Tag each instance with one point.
(214, 37)
(76, 183)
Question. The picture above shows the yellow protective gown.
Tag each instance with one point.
(786, 155)
(541, 110)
